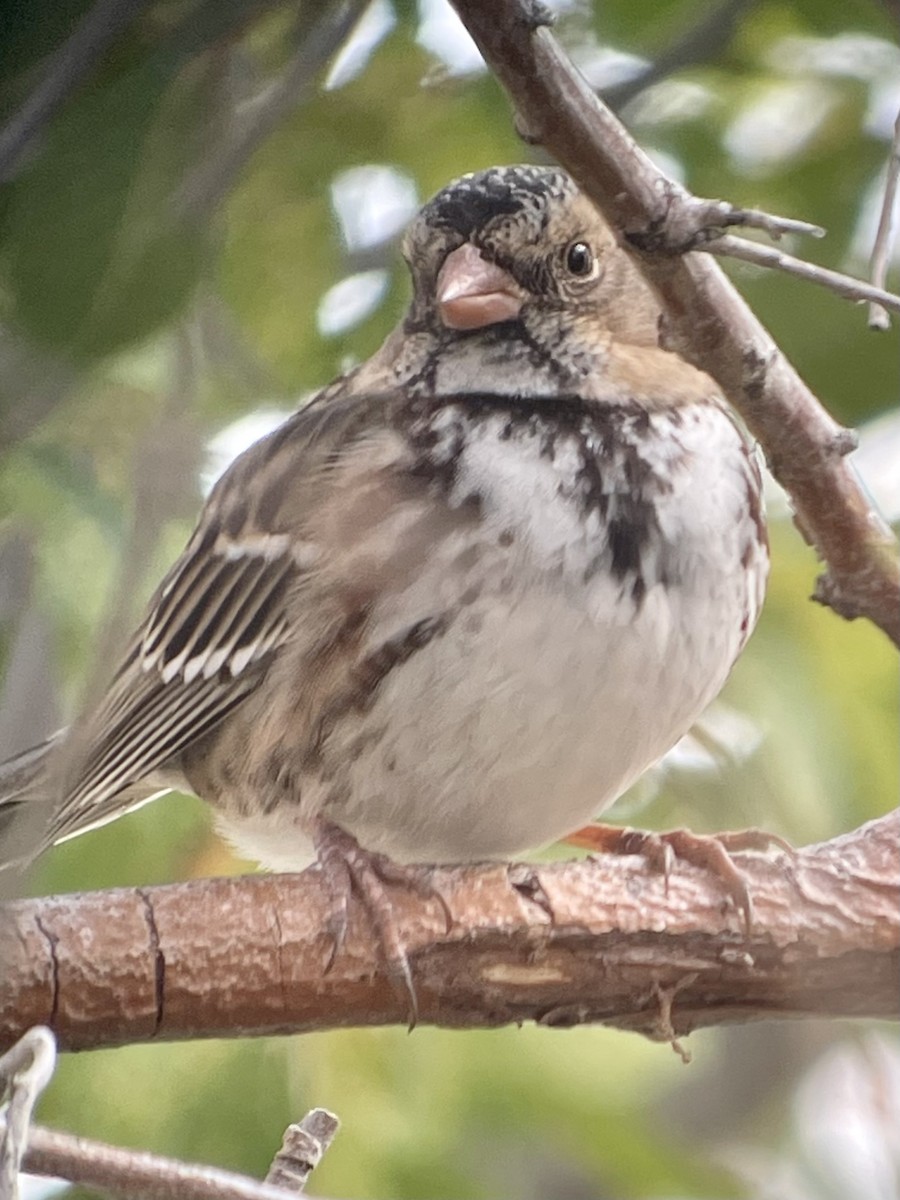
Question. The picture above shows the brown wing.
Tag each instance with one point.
(217, 620)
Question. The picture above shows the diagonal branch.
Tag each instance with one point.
(65, 70)
(604, 941)
(698, 44)
(707, 321)
(211, 181)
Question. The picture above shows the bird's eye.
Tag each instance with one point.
(579, 259)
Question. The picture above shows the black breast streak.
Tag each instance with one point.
(629, 532)
(614, 480)
(365, 679)
(625, 505)
(424, 382)
(436, 453)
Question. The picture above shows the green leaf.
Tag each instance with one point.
(92, 255)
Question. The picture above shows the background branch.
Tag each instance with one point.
(246, 955)
(301, 1150)
(27, 1068)
(707, 321)
(136, 1173)
(212, 180)
(65, 70)
(698, 44)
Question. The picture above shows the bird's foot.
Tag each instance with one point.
(710, 852)
(346, 866)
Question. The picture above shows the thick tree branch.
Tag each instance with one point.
(246, 955)
(707, 321)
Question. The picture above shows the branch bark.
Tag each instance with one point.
(560, 944)
(707, 321)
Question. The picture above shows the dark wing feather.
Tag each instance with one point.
(215, 622)
(164, 719)
(226, 616)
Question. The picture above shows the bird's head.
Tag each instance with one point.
(520, 251)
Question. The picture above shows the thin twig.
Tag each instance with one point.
(884, 237)
(711, 34)
(775, 226)
(67, 67)
(25, 1070)
(302, 1149)
(135, 1173)
(768, 256)
(692, 221)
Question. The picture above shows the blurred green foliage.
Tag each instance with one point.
(156, 284)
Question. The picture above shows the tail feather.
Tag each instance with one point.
(25, 802)
(31, 802)
(21, 773)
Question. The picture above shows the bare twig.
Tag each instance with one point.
(25, 1070)
(698, 44)
(884, 237)
(302, 1149)
(100, 25)
(554, 943)
(205, 187)
(692, 221)
(769, 256)
(135, 1173)
(706, 320)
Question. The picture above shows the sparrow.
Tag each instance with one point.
(457, 603)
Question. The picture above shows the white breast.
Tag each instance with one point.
(556, 680)
(552, 688)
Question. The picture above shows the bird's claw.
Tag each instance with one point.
(709, 852)
(347, 867)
